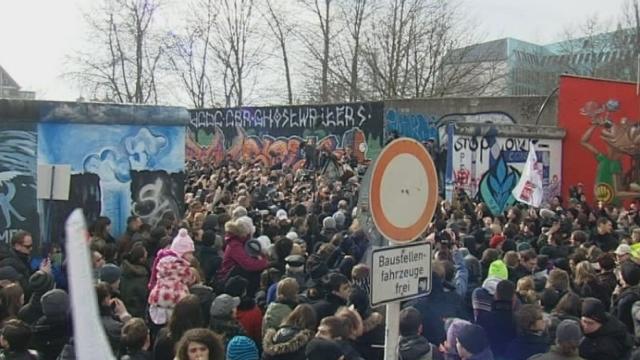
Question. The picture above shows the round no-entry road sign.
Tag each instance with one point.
(404, 190)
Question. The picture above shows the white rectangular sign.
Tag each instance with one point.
(400, 273)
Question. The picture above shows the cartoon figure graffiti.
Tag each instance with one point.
(270, 150)
(622, 138)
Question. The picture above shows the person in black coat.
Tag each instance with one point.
(531, 338)
(53, 330)
(621, 306)
(208, 255)
(605, 337)
(499, 323)
(337, 293)
(40, 282)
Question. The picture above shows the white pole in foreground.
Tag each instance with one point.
(392, 331)
(90, 341)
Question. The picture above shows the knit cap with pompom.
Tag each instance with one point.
(182, 243)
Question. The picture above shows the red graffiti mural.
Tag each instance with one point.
(603, 134)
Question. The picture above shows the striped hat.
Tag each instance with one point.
(242, 348)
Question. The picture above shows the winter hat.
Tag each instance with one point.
(473, 338)
(523, 246)
(242, 348)
(292, 235)
(498, 269)
(253, 248)
(9, 273)
(182, 243)
(55, 303)
(282, 214)
(328, 223)
(568, 331)
(630, 272)
(339, 217)
(453, 327)
(238, 212)
(593, 308)
(236, 286)
(40, 282)
(323, 349)
(110, 273)
(223, 305)
(295, 261)
(623, 249)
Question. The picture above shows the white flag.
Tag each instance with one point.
(529, 189)
(89, 339)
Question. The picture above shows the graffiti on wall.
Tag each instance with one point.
(409, 124)
(489, 166)
(275, 134)
(118, 157)
(604, 133)
(17, 180)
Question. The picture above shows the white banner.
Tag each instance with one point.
(529, 189)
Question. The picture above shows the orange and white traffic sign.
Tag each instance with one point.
(403, 193)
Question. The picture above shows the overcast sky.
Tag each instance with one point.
(36, 35)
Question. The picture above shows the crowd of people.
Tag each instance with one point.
(269, 263)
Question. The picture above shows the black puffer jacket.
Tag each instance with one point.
(286, 343)
(611, 341)
(50, 335)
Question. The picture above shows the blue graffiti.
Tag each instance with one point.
(413, 125)
(113, 153)
(496, 186)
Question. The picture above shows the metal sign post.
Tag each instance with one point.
(403, 195)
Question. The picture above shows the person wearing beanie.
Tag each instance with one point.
(248, 313)
(236, 260)
(223, 317)
(532, 338)
(482, 298)
(110, 274)
(568, 337)
(53, 329)
(328, 229)
(499, 323)
(472, 343)
(630, 293)
(242, 348)
(171, 277)
(605, 337)
(40, 282)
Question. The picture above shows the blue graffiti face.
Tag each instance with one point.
(496, 186)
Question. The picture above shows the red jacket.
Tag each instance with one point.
(251, 321)
(235, 255)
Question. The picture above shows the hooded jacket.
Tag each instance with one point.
(276, 312)
(235, 255)
(171, 283)
(482, 297)
(611, 341)
(50, 335)
(414, 347)
(133, 289)
(286, 343)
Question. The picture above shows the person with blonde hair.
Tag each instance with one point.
(525, 290)
(293, 335)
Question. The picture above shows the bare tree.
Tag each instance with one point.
(124, 52)
(190, 54)
(345, 70)
(319, 45)
(237, 46)
(282, 30)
